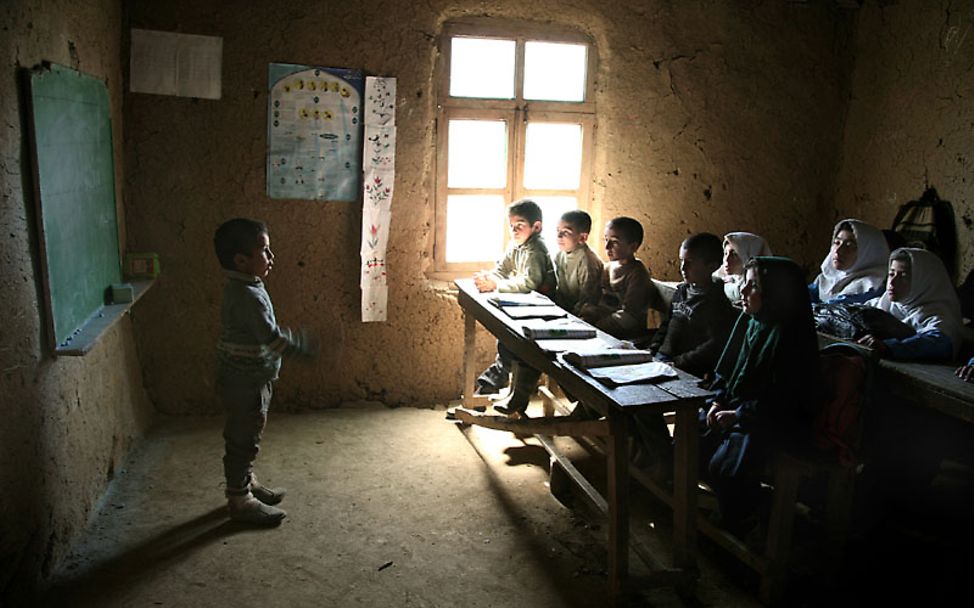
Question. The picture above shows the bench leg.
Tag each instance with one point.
(618, 494)
(469, 356)
(780, 526)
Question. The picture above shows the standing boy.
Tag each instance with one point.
(627, 287)
(526, 266)
(579, 274)
(248, 360)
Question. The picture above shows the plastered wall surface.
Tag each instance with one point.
(67, 423)
(710, 116)
(910, 121)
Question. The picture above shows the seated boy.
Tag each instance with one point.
(248, 360)
(526, 266)
(692, 338)
(627, 288)
(701, 317)
(577, 268)
(579, 274)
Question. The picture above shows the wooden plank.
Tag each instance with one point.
(618, 492)
(89, 334)
(593, 495)
(685, 465)
(536, 426)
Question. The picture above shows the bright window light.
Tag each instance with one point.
(482, 67)
(477, 154)
(552, 207)
(475, 227)
(554, 71)
(552, 156)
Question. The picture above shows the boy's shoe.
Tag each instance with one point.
(268, 496)
(508, 410)
(485, 388)
(248, 510)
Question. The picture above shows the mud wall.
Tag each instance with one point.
(711, 116)
(67, 423)
(910, 121)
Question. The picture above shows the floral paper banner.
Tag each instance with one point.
(378, 163)
(380, 101)
(380, 148)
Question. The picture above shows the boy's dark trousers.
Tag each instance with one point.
(246, 408)
(496, 377)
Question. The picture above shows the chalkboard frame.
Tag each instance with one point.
(74, 191)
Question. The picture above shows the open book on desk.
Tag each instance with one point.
(531, 298)
(534, 312)
(560, 329)
(616, 367)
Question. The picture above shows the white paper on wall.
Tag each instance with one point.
(166, 63)
(378, 163)
(380, 101)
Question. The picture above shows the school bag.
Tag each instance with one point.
(928, 223)
(847, 373)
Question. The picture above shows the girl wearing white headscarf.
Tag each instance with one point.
(855, 269)
(739, 248)
(919, 293)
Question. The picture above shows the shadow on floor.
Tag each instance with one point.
(146, 559)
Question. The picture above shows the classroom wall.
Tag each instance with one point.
(910, 121)
(66, 424)
(711, 116)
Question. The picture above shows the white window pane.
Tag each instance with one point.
(555, 72)
(553, 156)
(552, 207)
(477, 154)
(482, 67)
(474, 227)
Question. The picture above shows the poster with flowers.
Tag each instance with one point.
(378, 163)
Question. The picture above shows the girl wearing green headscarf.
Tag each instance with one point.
(766, 386)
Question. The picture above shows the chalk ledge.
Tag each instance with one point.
(99, 323)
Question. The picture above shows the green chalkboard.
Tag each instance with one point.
(75, 194)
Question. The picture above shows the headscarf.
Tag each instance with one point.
(778, 341)
(867, 273)
(932, 303)
(747, 245)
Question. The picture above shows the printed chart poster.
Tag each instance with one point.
(314, 132)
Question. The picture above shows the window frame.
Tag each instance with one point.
(517, 112)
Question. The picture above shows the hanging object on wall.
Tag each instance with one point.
(378, 161)
(167, 63)
(314, 132)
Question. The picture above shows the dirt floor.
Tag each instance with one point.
(386, 507)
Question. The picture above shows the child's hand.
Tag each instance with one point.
(310, 343)
(965, 373)
(726, 419)
(484, 282)
(874, 343)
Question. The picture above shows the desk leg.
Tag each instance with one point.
(469, 356)
(685, 470)
(618, 495)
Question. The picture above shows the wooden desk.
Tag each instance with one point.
(931, 385)
(681, 395)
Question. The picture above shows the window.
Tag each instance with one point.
(515, 120)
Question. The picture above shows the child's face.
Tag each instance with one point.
(898, 281)
(259, 261)
(751, 293)
(568, 238)
(694, 270)
(732, 262)
(845, 250)
(522, 229)
(617, 248)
